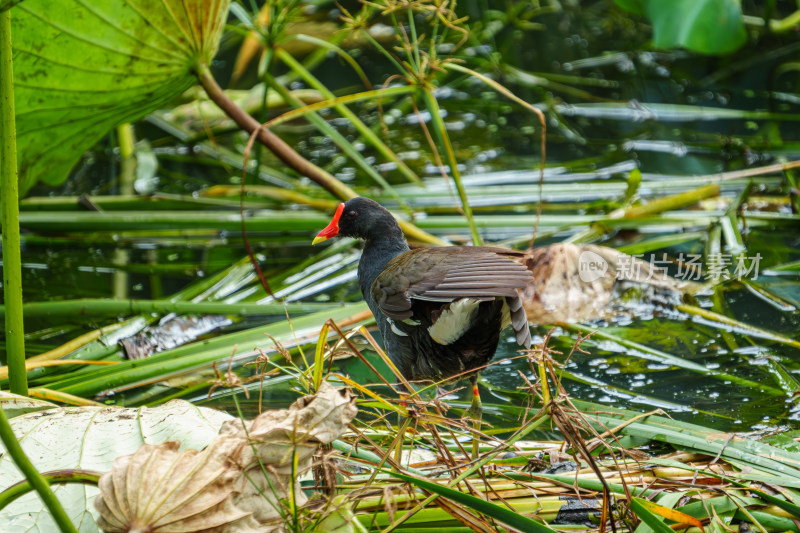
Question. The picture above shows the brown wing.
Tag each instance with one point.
(447, 274)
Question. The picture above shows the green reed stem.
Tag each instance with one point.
(9, 205)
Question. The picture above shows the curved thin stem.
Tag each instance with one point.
(289, 156)
(32, 475)
(277, 145)
(17, 490)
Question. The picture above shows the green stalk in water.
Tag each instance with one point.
(9, 206)
(101, 306)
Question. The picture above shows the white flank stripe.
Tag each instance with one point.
(454, 321)
(395, 328)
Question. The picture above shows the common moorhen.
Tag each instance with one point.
(440, 310)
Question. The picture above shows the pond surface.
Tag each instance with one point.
(612, 106)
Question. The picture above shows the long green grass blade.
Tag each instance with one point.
(503, 514)
(756, 454)
(346, 146)
(180, 360)
(648, 517)
(663, 357)
(362, 128)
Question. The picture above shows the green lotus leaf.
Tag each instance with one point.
(705, 26)
(8, 4)
(81, 67)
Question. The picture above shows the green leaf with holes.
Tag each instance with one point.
(705, 26)
(81, 67)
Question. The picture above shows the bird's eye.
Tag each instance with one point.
(350, 215)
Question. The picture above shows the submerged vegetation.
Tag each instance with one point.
(170, 259)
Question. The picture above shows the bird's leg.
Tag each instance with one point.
(475, 412)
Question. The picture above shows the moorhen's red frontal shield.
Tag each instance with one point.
(332, 229)
(440, 310)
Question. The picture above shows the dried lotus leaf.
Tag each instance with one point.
(159, 489)
(277, 436)
(237, 484)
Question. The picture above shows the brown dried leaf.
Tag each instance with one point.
(276, 436)
(224, 488)
(160, 489)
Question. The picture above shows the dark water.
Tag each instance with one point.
(609, 100)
